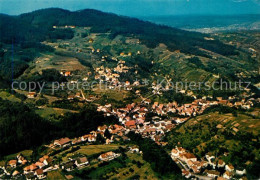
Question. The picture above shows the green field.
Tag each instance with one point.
(54, 175)
(89, 150)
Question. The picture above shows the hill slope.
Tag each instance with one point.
(40, 23)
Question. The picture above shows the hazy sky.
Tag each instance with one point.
(138, 7)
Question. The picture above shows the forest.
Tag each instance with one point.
(21, 128)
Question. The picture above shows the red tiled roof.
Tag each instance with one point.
(189, 155)
(12, 162)
(62, 141)
(39, 171)
(130, 123)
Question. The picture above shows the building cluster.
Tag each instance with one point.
(40, 168)
(28, 169)
(188, 161)
(111, 76)
(135, 117)
(209, 165)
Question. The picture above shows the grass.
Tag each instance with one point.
(26, 153)
(89, 150)
(7, 96)
(57, 62)
(203, 134)
(2, 163)
(46, 112)
(145, 172)
(112, 94)
(123, 168)
(53, 175)
(246, 123)
(95, 149)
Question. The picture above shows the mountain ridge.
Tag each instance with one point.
(149, 33)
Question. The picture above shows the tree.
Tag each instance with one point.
(107, 134)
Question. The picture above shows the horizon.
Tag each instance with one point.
(140, 8)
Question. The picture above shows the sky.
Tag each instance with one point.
(137, 8)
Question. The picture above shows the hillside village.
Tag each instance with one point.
(146, 117)
(132, 118)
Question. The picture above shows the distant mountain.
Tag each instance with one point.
(37, 26)
(209, 23)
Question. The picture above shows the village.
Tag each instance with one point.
(134, 117)
(150, 119)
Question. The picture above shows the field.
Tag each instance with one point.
(145, 172)
(131, 166)
(126, 166)
(57, 62)
(96, 149)
(53, 175)
(46, 112)
(10, 97)
(26, 153)
(89, 150)
(242, 121)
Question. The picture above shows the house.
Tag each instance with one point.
(102, 128)
(78, 95)
(210, 157)
(228, 175)
(39, 173)
(69, 176)
(127, 83)
(76, 141)
(68, 166)
(147, 101)
(229, 167)
(92, 138)
(85, 137)
(30, 168)
(91, 40)
(189, 156)
(108, 156)
(68, 73)
(221, 178)
(134, 149)
(21, 159)
(195, 169)
(180, 150)
(212, 173)
(45, 160)
(63, 142)
(136, 83)
(31, 95)
(12, 163)
(70, 97)
(174, 153)
(81, 161)
(221, 163)
(15, 173)
(40, 164)
(130, 124)
(186, 173)
(219, 98)
(240, 171)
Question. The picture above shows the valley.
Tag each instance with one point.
(113, 97)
